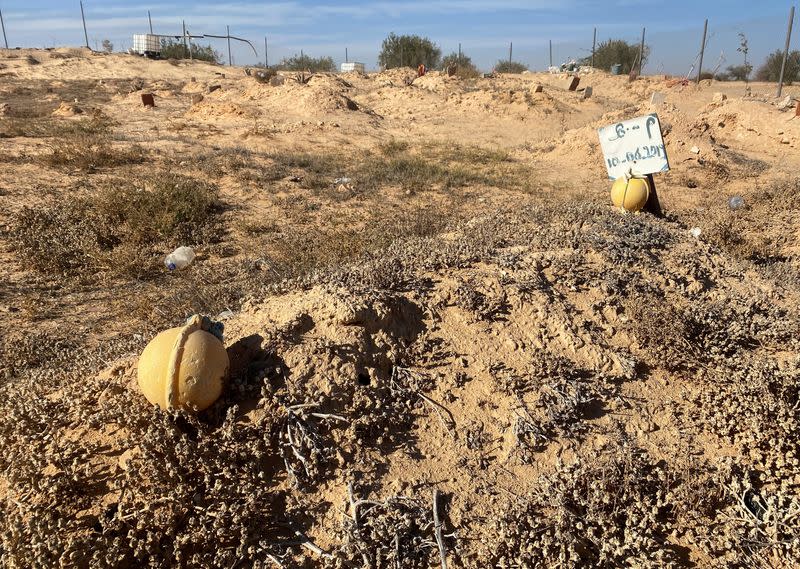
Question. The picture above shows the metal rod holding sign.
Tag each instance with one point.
(3, 25)
(702, 51)
(786, 51)
(85, 33)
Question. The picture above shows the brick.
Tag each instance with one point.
(148, 100)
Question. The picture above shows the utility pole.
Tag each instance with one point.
(85, 34)
(2, 25)
(510, 50)
(594, 43)
(345, 56)
(149, 19)
(786, 51)
(702, 51)
(230, 59)
(266, 59)
(551, 53)
(641, 54)
(459, 51)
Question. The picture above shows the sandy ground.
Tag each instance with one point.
(583, 388)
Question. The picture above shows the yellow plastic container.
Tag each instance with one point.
(630, 194)
(183, 367)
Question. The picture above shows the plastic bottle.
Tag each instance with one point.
(736, 202)
(180, 258)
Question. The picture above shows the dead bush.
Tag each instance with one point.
(89, 152)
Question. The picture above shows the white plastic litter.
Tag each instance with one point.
(180, 258)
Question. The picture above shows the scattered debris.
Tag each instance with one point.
(736, 202)
(212, 88)
(786, 103)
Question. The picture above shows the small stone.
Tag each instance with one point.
(788, 102)
(720, 97)
(197, 98)
(694, 150)
(538, 88)
(212, 88)
(277, 81)
(785, 140)
(587, 93)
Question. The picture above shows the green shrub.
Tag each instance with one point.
(510, 67)
(174, 49)
(613, 52)
(307, 63)
(465, 69)
(409, 51)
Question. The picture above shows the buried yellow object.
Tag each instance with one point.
(183, 367)
(630, 194)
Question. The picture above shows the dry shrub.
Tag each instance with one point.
(49, 127)
(89, 152)
(112, 229)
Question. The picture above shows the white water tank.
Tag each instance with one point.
(147, 44)
(352, 66)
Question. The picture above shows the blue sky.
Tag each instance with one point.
(483, 27)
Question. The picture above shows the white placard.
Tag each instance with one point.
(635, 145)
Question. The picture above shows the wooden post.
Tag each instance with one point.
(594, 44)
(85, 34)
(2, 25)
(786, 51)
(510, 50)
(459, 52)
(702, 51)
(149, 19)
(230, 59)
(401, 55)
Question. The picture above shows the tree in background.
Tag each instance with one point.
(409, 51)
(613, 52)
(771, 69)
(108, 47)
(506, 66)
(465, 68)
(174, 49)
(306, 63)
(735, 73)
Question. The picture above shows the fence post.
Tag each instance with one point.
(230, 59)
(85, 34)
(641, 54)
(149, 19)
(346, 57)
(266, 59)
(786, 51)
(702, 51)
(2, 25)
(510, 50)
(594, 44)
(185, 49)
(551, 53)
(459, 52)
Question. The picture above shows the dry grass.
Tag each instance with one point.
(111, 230)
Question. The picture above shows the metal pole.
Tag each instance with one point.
(266, 59)
(594, 44)
(510, 50)
(230, 59)
(149, 19)
(641, 54)
(345, 55)
(702, 51)
(551, 53)
(459, 52)
(401, 55)
(2, 25)
(185, 49)
(85, 34)
(786, 51)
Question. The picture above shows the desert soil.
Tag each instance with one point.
(432, 310)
